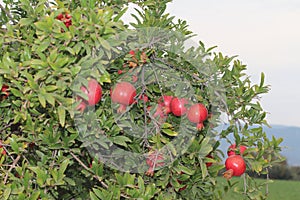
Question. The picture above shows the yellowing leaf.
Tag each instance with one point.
(169, 132)
(61, 115)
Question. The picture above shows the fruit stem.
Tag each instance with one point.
(228, 174)
(122, 108)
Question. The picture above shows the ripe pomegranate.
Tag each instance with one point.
(3, 152)
(94, 92)
(4, 91)
(65, 18)
(153, 160)
(123, 94)
(131, 52)
(232, 150)
(178, 106)
(165, 102)
(235, 166)
(144, 98)
(197, 113)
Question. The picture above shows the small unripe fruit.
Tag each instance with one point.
(232, 150)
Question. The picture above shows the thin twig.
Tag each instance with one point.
(267, 185)
(11, 168)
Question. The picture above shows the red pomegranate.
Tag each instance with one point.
(165, 102)
(2, 150)
(197, 113)
(94, 92)
(178, 106)
(123, 93)
(4, 91)
(235, 166)
(232, 150)
(65, 18)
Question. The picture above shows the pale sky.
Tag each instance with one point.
(265, 34)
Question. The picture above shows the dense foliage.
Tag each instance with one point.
(59, 143)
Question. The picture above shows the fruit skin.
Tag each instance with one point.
(232, 150)
(123, 94)
(131, 52)
(2, 150)
(4, 91)
(235, 166)
(197, 113)
(65, 18)
(94, 92)
(178, 107)
(165, 102)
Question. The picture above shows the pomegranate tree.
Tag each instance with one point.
(161, 88)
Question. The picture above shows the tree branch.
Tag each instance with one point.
(11, 168)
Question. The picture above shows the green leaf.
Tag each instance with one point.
(42, 100)
(120, 14)
(141, 184)
(44, 45)
(203, 170)
(99, 194)
(63, 167)
(14, 145)
(50, 99)
(41, 175)
(35, 195)
(25, 21)
(166, 125)
(169, 132)
(61, 115)
(105, 78)
(16, 92)
(104, 43)
(6, 193)
(43, 26)
(121, 140)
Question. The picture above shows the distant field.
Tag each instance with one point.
(278, 190)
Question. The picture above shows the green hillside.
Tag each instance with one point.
(278, 190)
